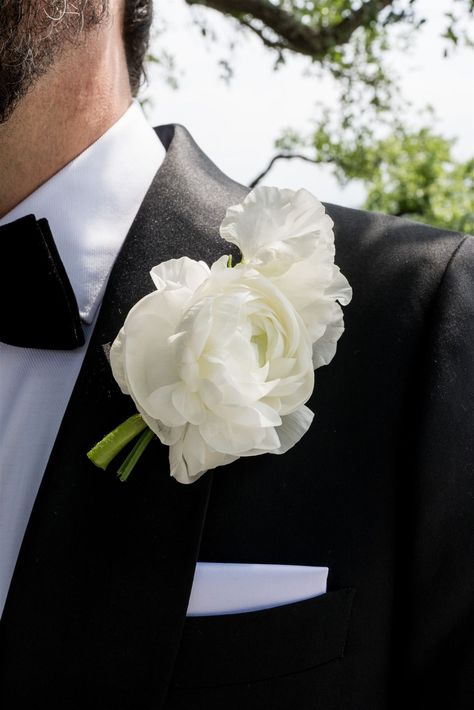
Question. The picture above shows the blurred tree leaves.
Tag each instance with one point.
(406, 170)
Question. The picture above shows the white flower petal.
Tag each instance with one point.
(293, 427)
(339, 288)
(268, 444)
(117, 362)
(230, 438)
(258, 415)
(276, 227)
(167, 435)
(324, 349)
(178, 467)
(220, 264)
(159, 405)
(196, 325)
(188, 404)
(281, 367)
(149, 369)
(180, 273)
(190, 457)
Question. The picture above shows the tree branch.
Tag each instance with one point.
(272, 44)
(287, 156)
(294, 34)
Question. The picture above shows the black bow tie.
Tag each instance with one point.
(38, 306)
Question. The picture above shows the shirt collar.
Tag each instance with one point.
(91, 203)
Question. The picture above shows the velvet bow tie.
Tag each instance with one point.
(38, 306)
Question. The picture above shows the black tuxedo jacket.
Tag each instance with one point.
(380, 490)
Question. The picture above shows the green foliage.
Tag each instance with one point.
(405, 171)
(410, 173)
(414, 174)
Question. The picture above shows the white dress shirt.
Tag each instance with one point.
(90, 205)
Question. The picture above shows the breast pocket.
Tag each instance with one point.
(258, 645)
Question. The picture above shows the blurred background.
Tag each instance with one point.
(366, 103)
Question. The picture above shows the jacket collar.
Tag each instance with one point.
(99, 594)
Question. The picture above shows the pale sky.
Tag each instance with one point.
(237, 124)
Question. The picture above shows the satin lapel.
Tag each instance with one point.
(98, 599)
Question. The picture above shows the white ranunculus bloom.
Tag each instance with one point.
(220, 361)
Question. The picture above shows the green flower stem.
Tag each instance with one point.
(129, 464)
(112, 444)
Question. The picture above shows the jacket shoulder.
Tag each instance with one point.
(398, 234)
(392, 258)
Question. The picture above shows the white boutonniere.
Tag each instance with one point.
(220, 361)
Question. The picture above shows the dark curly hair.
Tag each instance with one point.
(136, 35)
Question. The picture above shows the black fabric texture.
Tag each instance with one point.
(39, 308)
(380, 490)
(241, 648)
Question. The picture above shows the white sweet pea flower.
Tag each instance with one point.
(287, 236)
(220, 361)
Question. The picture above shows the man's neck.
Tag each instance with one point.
(59, 119)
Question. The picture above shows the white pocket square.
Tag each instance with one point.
(232, 588)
